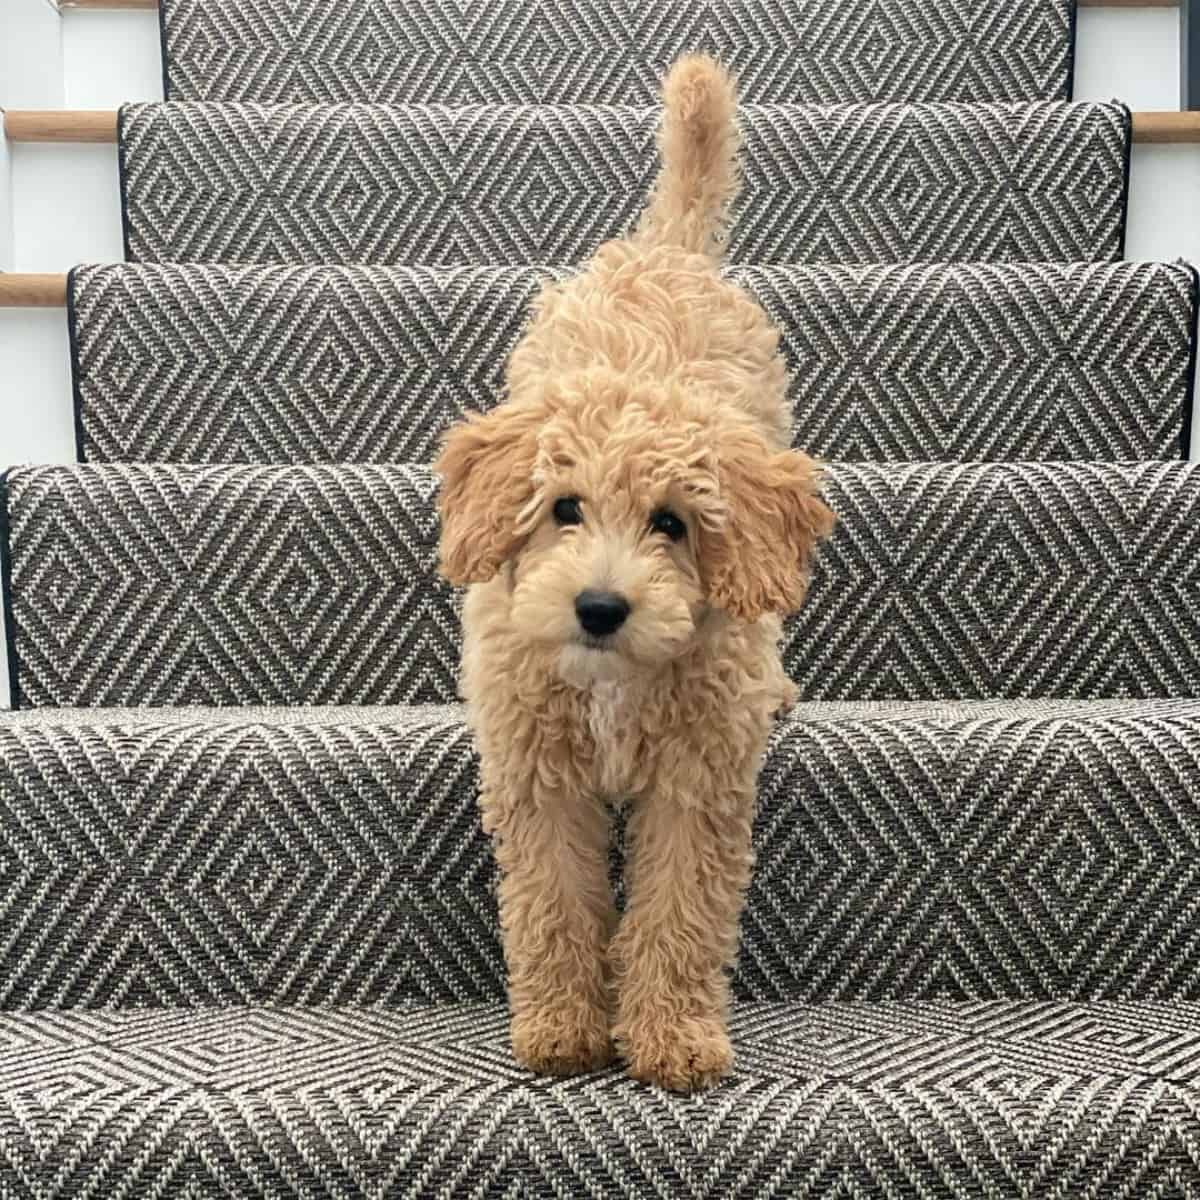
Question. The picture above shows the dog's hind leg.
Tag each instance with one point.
(556, 916)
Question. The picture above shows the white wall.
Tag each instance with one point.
(110, 58)
(1129, 53)
(6, 218)
(31, 73)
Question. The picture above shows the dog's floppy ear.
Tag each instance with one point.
(486, 469)
(757, 561)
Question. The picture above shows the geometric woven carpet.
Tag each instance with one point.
(1004, 579)
(310, 856)
(609, 52)
(951, 362)
(249, 937)
(495, 185)
(183, 584)
(1037, 1099)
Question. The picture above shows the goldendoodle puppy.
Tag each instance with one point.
(632, 526)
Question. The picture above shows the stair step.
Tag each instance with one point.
(829, 1100)
(227, 585)
(191, 363)
(487, 185)
(979, 851)
(608, 52)
(155, 584)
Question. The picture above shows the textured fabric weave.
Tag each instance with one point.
(253, 950)
(138, 584)
(928, 1100)
(1005, 579)
(1012, 850)
(612, 52)
(228, 585)
(371, 364)
(490, 185)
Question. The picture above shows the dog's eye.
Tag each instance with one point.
(567, 511)
(665, 521)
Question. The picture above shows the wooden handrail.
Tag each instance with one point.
(151, 4)
(1178, 127)
(60, 125)
(32, 291)
(65, 125)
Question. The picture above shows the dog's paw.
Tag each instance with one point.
(562, 1041)
(685, 1055)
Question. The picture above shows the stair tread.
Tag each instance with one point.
(169, 584)
(243, 716)
(404, 716)
(429, 1100)
(1015, 849)
(505, 184)
(928, 362)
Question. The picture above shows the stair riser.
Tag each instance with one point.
(978, 857)
(509, 185)
(136, 585)
(888, 364)
(603, 52)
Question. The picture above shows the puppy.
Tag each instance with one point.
(632, 526)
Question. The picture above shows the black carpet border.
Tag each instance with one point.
(1189, 397)
(6, 605)
(123, 183)
(1072, 34)
(164, 54)
(76, 368)
(1127, 112)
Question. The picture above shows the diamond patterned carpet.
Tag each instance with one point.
(229, 585)
(613, 52)
(1036, 1099)
(145, 584)
(251, 949)
(983, 851)
(501, 185)
(185, 363)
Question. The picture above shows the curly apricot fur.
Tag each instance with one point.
(647, 383)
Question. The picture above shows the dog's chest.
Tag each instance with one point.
(612, 717)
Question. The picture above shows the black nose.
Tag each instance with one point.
(601, 613)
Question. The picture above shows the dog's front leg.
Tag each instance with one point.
(556, 916)
(689, 865)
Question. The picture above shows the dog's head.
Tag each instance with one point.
(622, 514)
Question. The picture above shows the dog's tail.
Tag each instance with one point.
(698, 140)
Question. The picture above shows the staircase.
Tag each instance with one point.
(248, 937)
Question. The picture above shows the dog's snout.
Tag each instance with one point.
(601, 613)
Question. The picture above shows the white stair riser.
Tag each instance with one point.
(1132, 53)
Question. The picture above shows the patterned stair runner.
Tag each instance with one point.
(495, 185)
(154, 584)
(1001, 850)
(613, 51)
(370, 364)
(1036, 1099)
(252, 951)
